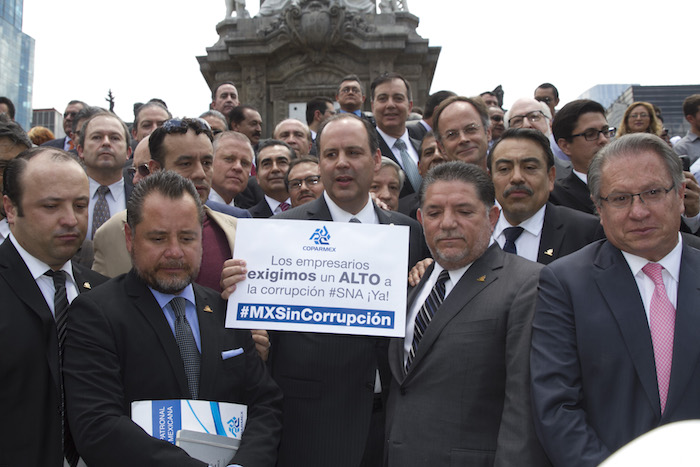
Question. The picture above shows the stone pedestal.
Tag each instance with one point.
(306, 49)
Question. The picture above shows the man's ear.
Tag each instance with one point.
(128, 236)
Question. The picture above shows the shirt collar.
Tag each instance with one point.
(455, 274)
(671, 262)
(367, 215)
(113, 188)
(582, 176)
(532, 225)
(274, 204)
(164, 298)
(390, 140)
(36, 267)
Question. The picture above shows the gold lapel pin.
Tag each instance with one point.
(549, 252)
(481, 279)
(86, 285)
(208, 309)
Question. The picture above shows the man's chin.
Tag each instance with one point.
(168, 285)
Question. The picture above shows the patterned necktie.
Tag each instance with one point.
(284, 206)
(354, 220)
(408, 165)
(188, 347)
(662, 321)
(511, 234)
(426, 313)
(100, 215)
(60, 307)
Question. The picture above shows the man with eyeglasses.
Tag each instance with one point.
(549, 94)
(303, 180)
(350, 96)
(463, 129)
(497, 117)
(615, 344)
(67, 142)
(272, 161)
(530, 113)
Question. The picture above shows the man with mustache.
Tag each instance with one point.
(522, 168)
(272, 162)
(104, 148)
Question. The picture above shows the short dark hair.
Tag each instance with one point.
(216, 88)
(85, 113)
(372, 135)
(295, 162)
(10, 106)
(634, 143)
(476, 102)
(550, 86)
(567, 117)
(151, 103)
(166, 182)
(350, 78)
(237, 114)
(274, 142)
(12, 188)
(458, 171)
(691, 105)
(76, 102)
(103, 113)
(434, 100)
(14, 132)
(533, 135)
(387, 77)
(178, 126)
(317, 103)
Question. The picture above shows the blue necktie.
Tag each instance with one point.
(511, 234)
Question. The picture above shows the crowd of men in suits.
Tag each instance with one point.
(550, 311)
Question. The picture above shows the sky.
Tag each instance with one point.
(146, 48)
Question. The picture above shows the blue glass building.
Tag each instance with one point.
(16, 61)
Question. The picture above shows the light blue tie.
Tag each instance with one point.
(408, 165)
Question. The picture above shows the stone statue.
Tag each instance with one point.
(391, 6)
(273, 7)
(239, 5)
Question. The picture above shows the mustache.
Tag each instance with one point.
(524, 188)
(61, 233)
(449, 234)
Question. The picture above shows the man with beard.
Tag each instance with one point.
(153, 334)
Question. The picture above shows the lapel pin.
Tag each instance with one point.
(86, 285)
(481, 279)
(208, 309)
(549, 252)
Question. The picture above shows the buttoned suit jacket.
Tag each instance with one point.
(261, 210)
(566, 230)
(465, 399)
(593, 372)
(111, 256)
(30, 393)
(120, 349)
(571, 192)
(328, 379)
(386, 151)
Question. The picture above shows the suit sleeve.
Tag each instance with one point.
(95, 402)
(517, 443)
(558, 399)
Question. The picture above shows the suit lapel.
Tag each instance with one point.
(147, 305)
(619, 289)
(552, 236)
(686, 352)
(210, 339)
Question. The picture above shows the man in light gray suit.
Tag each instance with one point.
(460, 378)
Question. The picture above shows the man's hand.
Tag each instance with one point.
(262, 343)
(234, 271)
(692, 195)
(418, 270)
(380, 204)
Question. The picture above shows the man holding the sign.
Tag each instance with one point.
(335, 386)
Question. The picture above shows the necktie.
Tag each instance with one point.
(60, 306)
(511, 234)
(662, 321)
(284, 206)
(101, 212)
(354, 220)
(188, 346)
(426, 313)
(408, 165)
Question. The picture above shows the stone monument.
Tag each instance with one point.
(294, 50)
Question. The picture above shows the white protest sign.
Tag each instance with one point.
(319, 276)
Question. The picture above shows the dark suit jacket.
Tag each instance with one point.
(230, 210)
(261, 210)
(30, 431)
(465, 400)
(328, 379)
(251, 195)
(409, 205)
(120, 349)
(572, 193)
(386, 151)
(593, 375)
(566, 230)
(416, 130)
(59, 143)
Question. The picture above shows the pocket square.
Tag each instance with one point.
(226, 354)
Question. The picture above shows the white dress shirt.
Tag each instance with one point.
(528, 243)
(115, 199)
(390, 141)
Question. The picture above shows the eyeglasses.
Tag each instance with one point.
(182, 125)
(592, 134)
(534, 117)
(70, 114)
(624, 200)
(469, 130)
(496, 118)
(350, 90)
(311, 180)
(545, 99)
(142, 169)
(641, 115)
